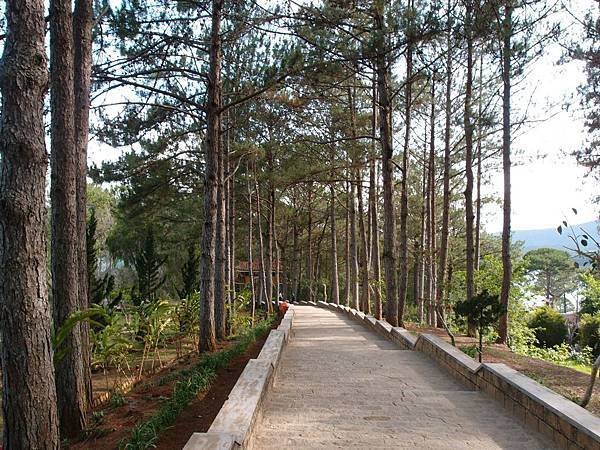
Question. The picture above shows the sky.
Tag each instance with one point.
(546, 180)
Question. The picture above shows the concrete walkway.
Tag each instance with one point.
(340, 385)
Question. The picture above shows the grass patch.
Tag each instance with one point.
(191, 382)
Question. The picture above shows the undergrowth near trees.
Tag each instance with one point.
(190, 383)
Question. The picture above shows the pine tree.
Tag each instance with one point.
(190, 272)
(29, 393)
(148, 265)
(98, 289)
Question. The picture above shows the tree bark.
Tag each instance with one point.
(335, 287)
(309, 261)
(213, 131)
(373, 194)
(250, 244)
(230, 228)
(29, 391)
(441, 284)
(403, 276)
(295, 258)
(423, 240)
(478, 178)
(506, 263)
(220, 257)
(468, 124)
(431, 198)
(365, 296)
(71, 387)
(261, 249)
(347, 269)
(387, 151)
(82, 38)
(270, 225)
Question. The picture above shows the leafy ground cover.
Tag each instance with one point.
(169, 401)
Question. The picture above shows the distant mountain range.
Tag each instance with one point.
(549, 237)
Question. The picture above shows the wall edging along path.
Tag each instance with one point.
(234, 424)
(569, 425)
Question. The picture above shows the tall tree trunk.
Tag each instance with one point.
(431, 196)
(309, 261)
(387, 151)
(250, 244)
(478, 179)
(29, 391)
(335, 286)
(415, 286)
(347, 270)
(213, 131)
(70, 377)
(220, 257)
(441, 284)
(354, 293)
(231, 214)
(507, 30)
(296, 258)
(270, 225)
(424, 231)
(373, 195)
(403, 247)
(468, 124)
(82, 38)
(365, 296)
(261, 249)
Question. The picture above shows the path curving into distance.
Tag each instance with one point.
(340, 385)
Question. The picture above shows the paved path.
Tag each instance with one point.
(340, 385)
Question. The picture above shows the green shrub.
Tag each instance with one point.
(562, 354)
(470, 350)
(549, 326)
(589, 332)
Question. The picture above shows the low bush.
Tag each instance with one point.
(549, 326)
(562, 354)
(589, 332)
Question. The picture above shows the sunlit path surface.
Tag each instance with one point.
(340, 385)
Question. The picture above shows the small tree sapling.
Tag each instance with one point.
(483, 311)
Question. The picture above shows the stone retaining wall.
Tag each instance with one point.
(566, 423)
(234, 424)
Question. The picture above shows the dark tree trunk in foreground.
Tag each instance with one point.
(82, 39)
(213, 121)
(506, 263)
(29, 392)
(71, 388)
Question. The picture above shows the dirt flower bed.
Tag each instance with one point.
(111, 426)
